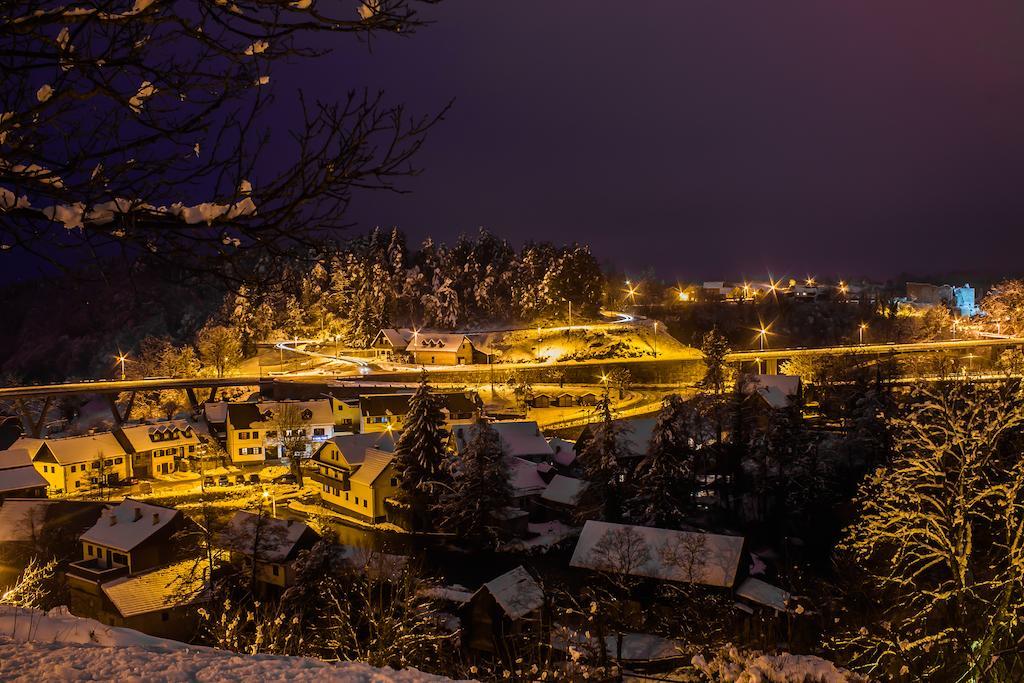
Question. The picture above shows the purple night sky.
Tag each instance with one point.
(716, 138)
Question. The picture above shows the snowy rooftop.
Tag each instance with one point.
(563, 490)
(524, 477)
(519, 438)
(175, 585)
(516, 592)
(75, 449)
(385, 404)
(763, 593)
(277, 538)
(15, 457)
(29, 444)
(397, 337)
(436, 341)
(564, 451)
(129, 524)
(216, 411)
(18, 478)
(776, 390)
(373, 466)
(709, 559)
(353, 447)
(143, 438)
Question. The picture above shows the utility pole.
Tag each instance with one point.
(655, 339)
(570, 313)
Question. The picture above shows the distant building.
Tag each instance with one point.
(963, 301)
(960, 298)
(519, 438)
(773, 391)
(436, 348)
(383, 412)
(390, 342)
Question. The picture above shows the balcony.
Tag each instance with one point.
(92, 570)
(340, 482)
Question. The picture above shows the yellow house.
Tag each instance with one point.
(346, 414)
(271, 544)
(435, 348)
(155, 448)
(383, 412)
(245, 430)
(356, 474)
(78, 463)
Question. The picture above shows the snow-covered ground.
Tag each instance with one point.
(56, 646)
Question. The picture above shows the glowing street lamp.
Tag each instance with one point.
(631, 291)
(863, 326)
(121, 358)
(655, 339)
(762, 336)
(809, 281)
(843, 288)
(273, 502)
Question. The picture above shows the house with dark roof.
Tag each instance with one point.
(356, 474)
(502, 611)
(384, 412)
(272, 544)
(245, 430)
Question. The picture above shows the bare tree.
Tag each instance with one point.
(219, 348)
(134, 126)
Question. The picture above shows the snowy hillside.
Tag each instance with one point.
(60, 647)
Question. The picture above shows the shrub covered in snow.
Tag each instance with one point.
(751, 666)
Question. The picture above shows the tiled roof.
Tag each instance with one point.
(75, 449)
(175, 585)
(373, 466)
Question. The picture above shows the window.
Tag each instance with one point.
(96, 465)
(243, 435)
(78, 484)
(364, 502)
(72, 468)
(357, 500)
(287, 432)
(319, 431)
(118, 461)
(346, 495)
(120, 559)
(326, 488)
(191, 449)
(255, 435)
(276, 569)
(109, 462)
(394, 481)
(158, 452)
(88, 550)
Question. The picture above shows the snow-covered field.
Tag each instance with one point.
(56, 646)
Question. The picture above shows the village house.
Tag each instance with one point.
(268, 543)
(435, 348)
(155, 448)
(519, 438)
(540, 400)
(18, 476)
(162, 602)
(356, 475)
(771, 392)
(128, 540)
(503, 609)
(77, 463)
(245, 428)
(391, 342)
(559, 497)
(254, 431)
(387, 412)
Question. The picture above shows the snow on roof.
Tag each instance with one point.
(519, 438)
(15, 457)
(636, 647)
(373, 466)
(564, 450)
(764, 593)
(75, 449)
(709, 559)
(449, 594)
(353, 447)
(20, 478)
(397, 337)
(29, 444)
(125, 526)
(315, 411)
(277, 538)
(516, 592)
(146, 437)
(524, 477)
(777, 390)
(216, 411)
(172, 586)
(563, 490)
(436, 341)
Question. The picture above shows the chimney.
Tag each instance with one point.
(113, 518)
(138, 514)
(156, 518)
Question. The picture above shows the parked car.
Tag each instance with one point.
(209, 481)
(223, 480)
(239, 478)
(288, 478)
(254, 478)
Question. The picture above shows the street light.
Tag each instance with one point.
(863, 326)
(762, 336)
(273, 502)
(655, 339)
(121, 359)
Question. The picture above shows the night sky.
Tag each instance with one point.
(717, 138)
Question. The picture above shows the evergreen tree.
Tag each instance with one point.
(599, 457)
(714, 348)
(480, 490)
(664, 477)
(420, 452)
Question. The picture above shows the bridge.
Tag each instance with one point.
(772, 357)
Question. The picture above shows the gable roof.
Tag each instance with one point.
(398, 337)
(519, 438)
(20, 478)
(29, 444)
(312, 412)
(564, 451)
(140, 438)
(436, 341)
(353, 447)
(75, 449)
(373, 466)
(244, 415)
(126, 526)
(685, 556)
(175, 585)
(524, 477)
(563, 490)
(516, 592)
(278, 538)
(216, 411)
(776, 390)
(385, 404)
